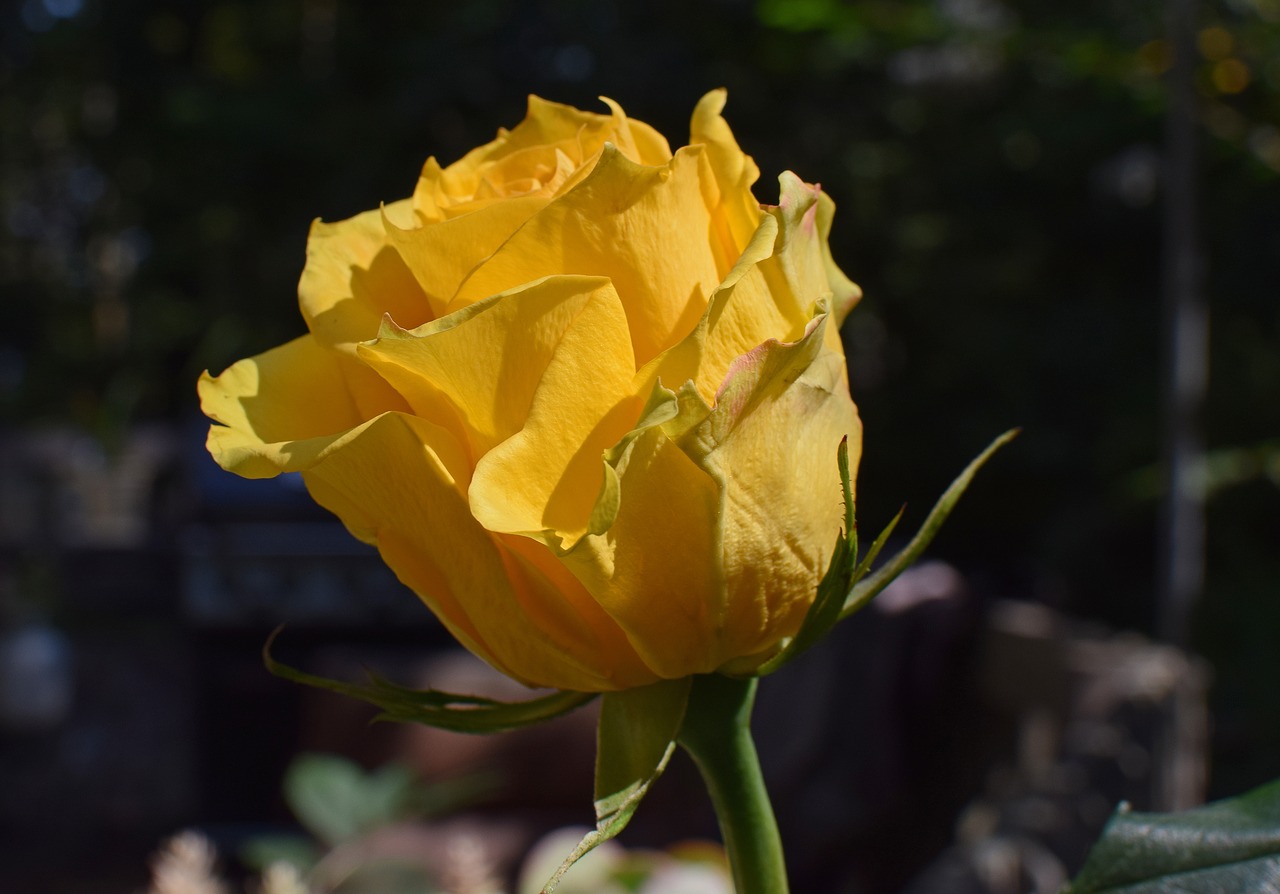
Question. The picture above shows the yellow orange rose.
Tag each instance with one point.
(583, 394)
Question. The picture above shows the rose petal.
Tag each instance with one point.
(354, 276)
(772, 439)
(804, 270)
(845, 293)
(635, 139)
(656, 569)
(297, 392)
(543, 480)
(631, 224)
(771, 293)
(550, 134)
(477, 371)
(440, 255)
(735, 171)
(392, 489)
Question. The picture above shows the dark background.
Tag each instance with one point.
(997, 169)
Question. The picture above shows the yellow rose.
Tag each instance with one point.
(584, 396)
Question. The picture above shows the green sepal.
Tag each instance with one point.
(876, 545)
(1229, 845)
(430, 707)
(827, 604)
(868, 588)
(637, 734)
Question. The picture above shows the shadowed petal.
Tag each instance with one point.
(390, 487)
(297, 392)
(441, 255)
(354, 276)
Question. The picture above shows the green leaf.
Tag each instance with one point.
(867, 589)
(638, 729)
(1231, 845)
(458, 713)
(827, 604)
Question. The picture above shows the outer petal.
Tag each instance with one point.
(771, 293)
(735, 171)
(845, 293)
(804, 269)
(392, 489)
(656, 565)
(354, 276)
(399, 482)
(631, 224)
(298, 392)
(772, 439)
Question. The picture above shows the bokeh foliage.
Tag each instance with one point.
(996, 166)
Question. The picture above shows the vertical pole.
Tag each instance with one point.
(1186, 320)
(1179, 777)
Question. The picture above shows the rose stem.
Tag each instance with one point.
(717, 735)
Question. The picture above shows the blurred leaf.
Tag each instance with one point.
(1230, 845)
(637, 735)
(1222, 468)
(296, 850)
(336, 800)
(802, 15)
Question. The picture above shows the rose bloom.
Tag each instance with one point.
(583, 394)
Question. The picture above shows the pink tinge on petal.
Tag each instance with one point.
(787, 196)
(794, 187)
(810, 220)
(756, 357)
(744, 363)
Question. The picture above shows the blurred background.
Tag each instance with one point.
(1012, 183)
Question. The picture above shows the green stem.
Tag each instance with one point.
(717, 734)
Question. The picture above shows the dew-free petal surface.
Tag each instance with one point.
(483, 365)
(772, 438)
(627, 222)
(392, 489)
(544, 479)
(298, 391)
(354, 276)
(656, 571)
